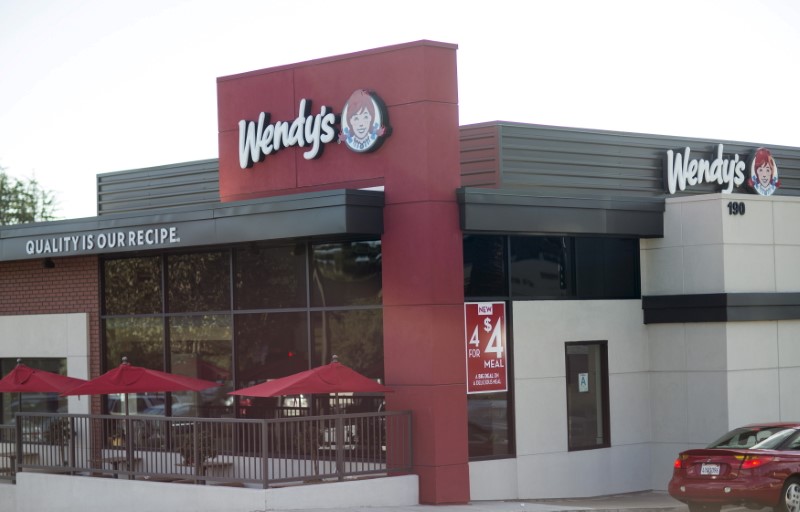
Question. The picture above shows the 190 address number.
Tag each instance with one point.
(736, 208)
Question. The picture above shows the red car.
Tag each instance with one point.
(755, 466)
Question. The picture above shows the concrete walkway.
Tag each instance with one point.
(654, 501)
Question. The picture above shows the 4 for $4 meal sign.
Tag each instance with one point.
(486, 346)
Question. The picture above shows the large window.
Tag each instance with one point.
(587, 395)
(241, 316)
(550, 267)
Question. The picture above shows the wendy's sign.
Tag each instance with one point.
(681, 170)
(364, 126)
(329, 124)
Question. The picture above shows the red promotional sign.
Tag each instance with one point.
(486, 346)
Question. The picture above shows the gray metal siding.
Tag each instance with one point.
(549, 161)
(168, 187)
(480, 158)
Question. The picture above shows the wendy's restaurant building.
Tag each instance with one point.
(548, 302)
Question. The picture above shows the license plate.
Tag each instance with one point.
(709, 469)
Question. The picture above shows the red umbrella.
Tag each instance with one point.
(330, 378)
(24, 379)
(126, 378)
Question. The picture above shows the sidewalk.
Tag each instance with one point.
(653, 501)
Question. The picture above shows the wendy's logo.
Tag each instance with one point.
(364, 122)
(364, 126)
(763, 178)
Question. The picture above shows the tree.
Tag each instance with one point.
(23, 200)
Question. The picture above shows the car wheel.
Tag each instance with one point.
(790, 496)
(705, 507)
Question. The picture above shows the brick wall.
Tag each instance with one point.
(72, 286)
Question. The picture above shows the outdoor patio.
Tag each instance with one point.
(233, 452)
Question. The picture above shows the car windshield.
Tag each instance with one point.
(764, 438)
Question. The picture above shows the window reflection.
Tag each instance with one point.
(132, 286)
(198, 282)
(551, 267)
(346, 274)
(200, 347)
(254, 302)
(270, 277)
(485, 266)
(141, 340)
(541, 267)
(607, 268)
(488, 424)
(268, 346)
(355, 336)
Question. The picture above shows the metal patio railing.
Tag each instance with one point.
(246, 452)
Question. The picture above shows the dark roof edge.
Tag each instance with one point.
(311, 214)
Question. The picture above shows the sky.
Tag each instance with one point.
(95, 86)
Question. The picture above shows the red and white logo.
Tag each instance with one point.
(364, 122)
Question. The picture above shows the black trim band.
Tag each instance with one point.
(510, 211)
(721, 307)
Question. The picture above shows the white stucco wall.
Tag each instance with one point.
(707, 250)
(88, 494)
(543, 467)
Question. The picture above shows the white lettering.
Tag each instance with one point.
(681, 171)
(106, 240)
(257, 140)
(248, 151)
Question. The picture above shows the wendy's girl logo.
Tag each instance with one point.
(364, 126)
(763, 178)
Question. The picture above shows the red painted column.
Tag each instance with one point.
(423, 286)
(418, 165)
